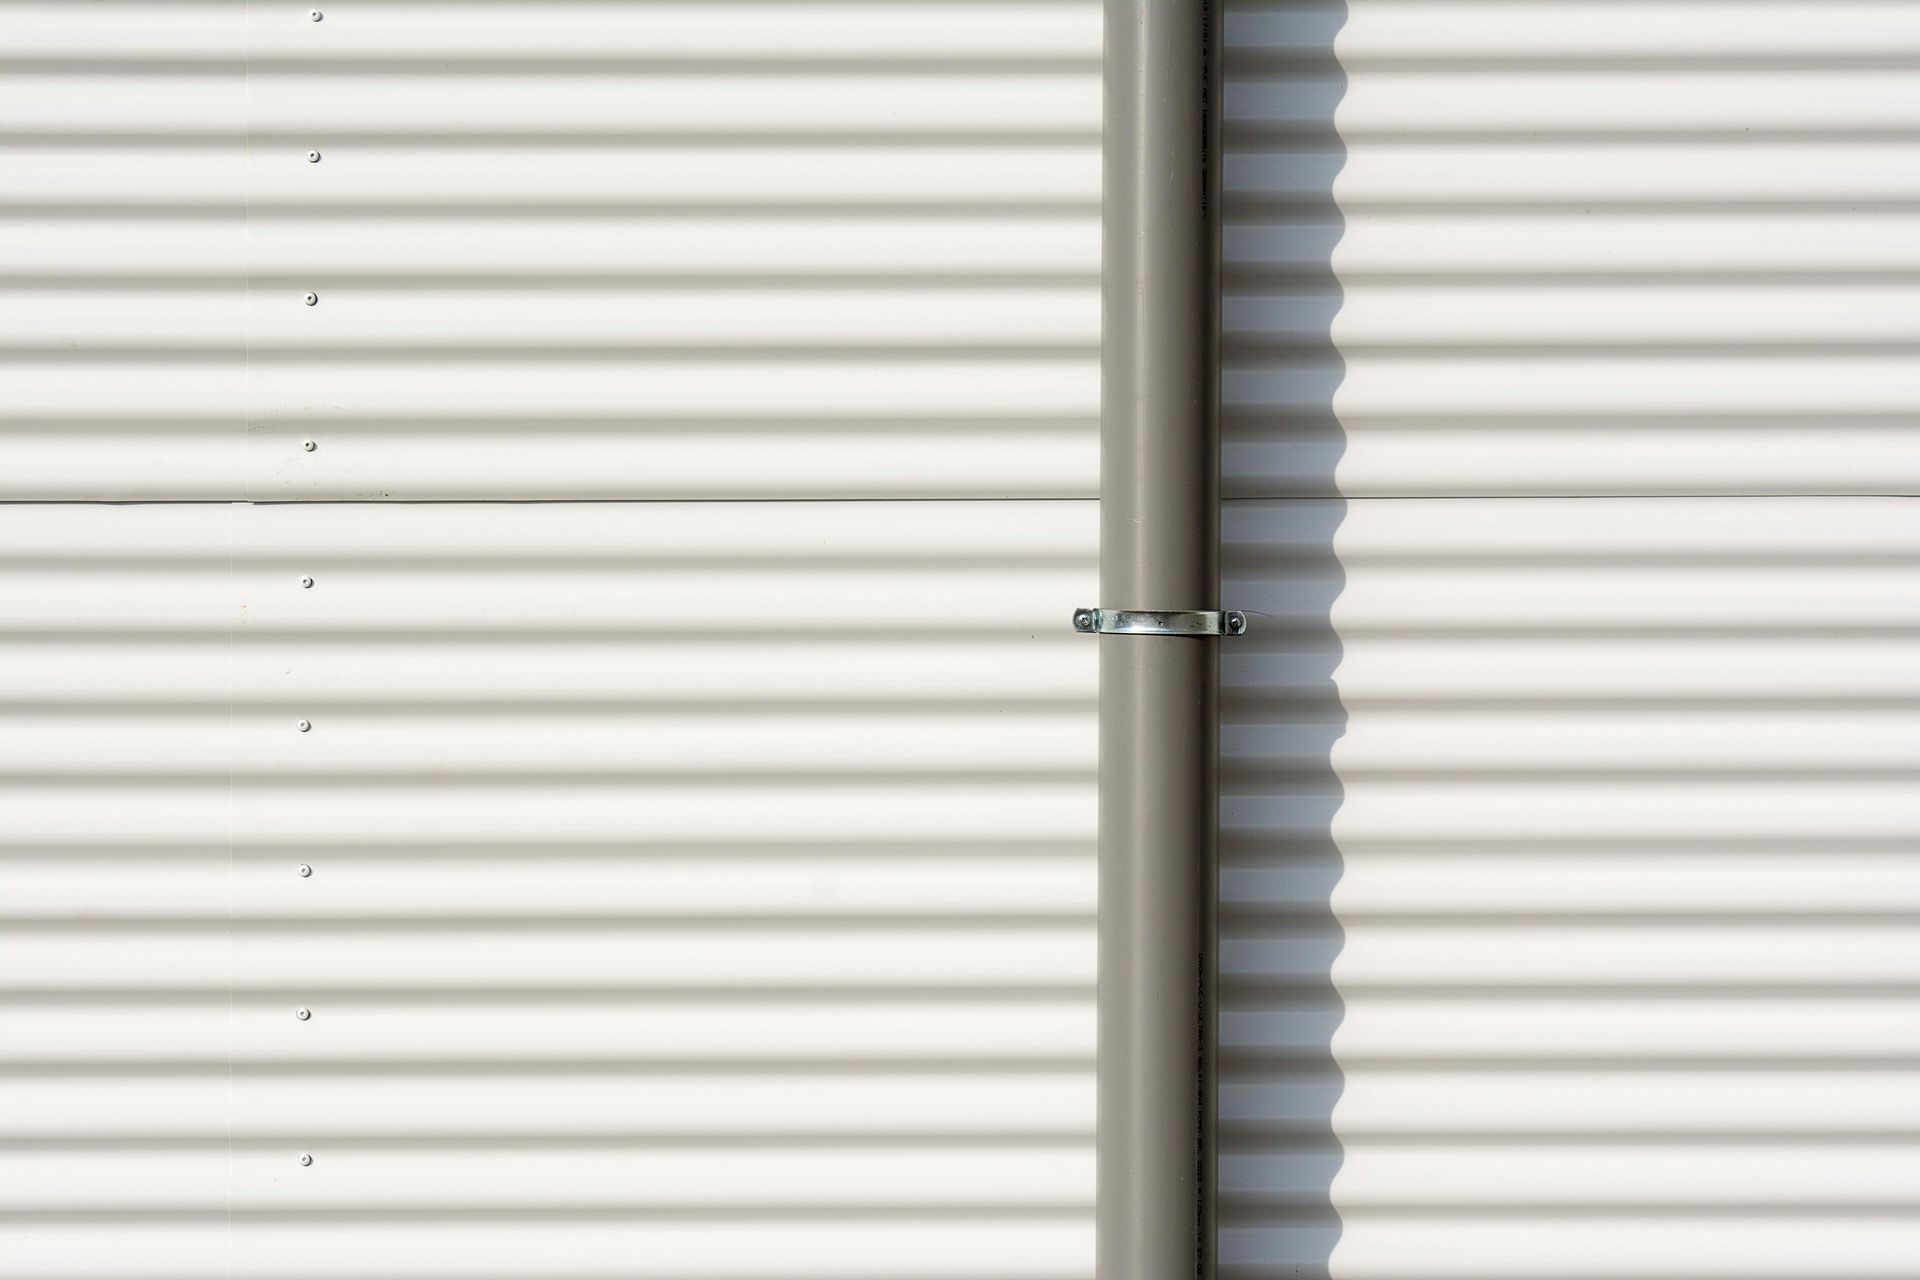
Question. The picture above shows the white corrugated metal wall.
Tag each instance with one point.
(665, 850)
(1569, 805)
(699, 883)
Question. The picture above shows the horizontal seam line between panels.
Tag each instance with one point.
(690, 67)
(1549, 496)
(453, 1211)
(776, 280)
(371, 1140)
(738, 139)
(823, 208)
(523, 502)
(1255, 66)
(1531, 496)
(468, 1067)
(1254, 136)
(815, 995)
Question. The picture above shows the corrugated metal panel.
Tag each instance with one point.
(1569, 883)
(561, 250)
(1574, 247)
(693, 889)
(1567, 888)
(696, 890)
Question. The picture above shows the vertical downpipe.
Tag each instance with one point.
(1159, 549)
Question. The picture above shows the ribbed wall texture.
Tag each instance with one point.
(690, 890)
(1569, 770)
(583, 249)
(693, 885)
(705, 889)
(1572, 247)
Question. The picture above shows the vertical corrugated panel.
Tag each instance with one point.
(1569, 800)
(698, 884)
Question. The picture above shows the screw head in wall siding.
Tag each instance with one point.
(305, 1160)
(315, 15)
(303, 1014)
(305, 871)
(313, 157)
(304, 726)
(309, 445)
(306, 582)
(313, 299)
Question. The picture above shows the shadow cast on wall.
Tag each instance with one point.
(1279, 1009)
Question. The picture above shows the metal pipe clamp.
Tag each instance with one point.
(1160, 622)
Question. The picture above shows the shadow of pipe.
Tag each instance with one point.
(1279, 1081)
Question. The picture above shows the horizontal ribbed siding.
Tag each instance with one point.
(1568, 924)
(695, 890)
(1570, 248)
(1567, 785)
(561, 251)
(699, 884)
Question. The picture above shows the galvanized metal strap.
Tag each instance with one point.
(1160, 622)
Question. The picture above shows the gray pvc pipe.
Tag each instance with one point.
(1159, 549)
